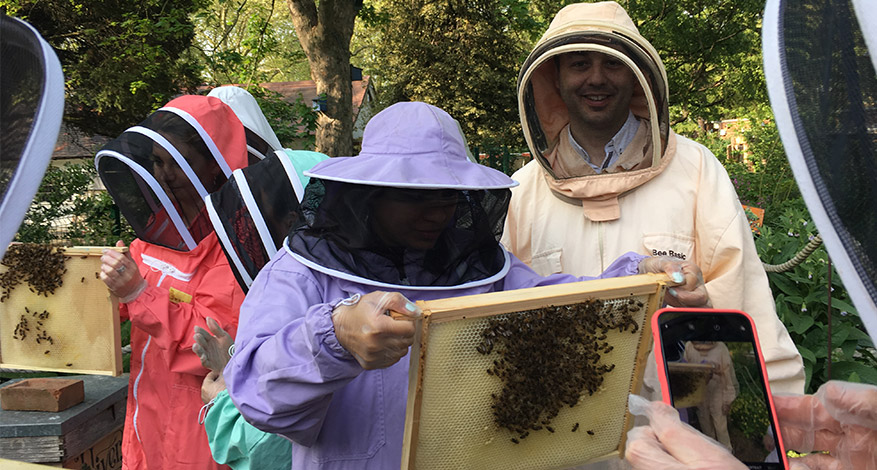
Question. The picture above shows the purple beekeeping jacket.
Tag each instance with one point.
(289, 375)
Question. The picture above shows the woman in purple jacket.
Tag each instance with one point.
(410, 218)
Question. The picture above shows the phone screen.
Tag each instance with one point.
(716, 381)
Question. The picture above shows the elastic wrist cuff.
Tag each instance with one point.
(135, 293)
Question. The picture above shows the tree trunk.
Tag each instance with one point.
(324, 32)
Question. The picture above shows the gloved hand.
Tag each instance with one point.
(669, 444)
(840, 418)
(366, 329)
(119, 272)
(212, 349)
(690, 290)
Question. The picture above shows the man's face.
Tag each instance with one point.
(597, 89)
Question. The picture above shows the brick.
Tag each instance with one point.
(43, 394)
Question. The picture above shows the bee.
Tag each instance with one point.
(590, 433)
(575, 427)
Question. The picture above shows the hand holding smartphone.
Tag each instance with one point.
(712, 371)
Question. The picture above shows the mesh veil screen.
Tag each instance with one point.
(831, 88)
(21, 87)
(416, 237)
(147, 167)
(274, 199)
(31, 107)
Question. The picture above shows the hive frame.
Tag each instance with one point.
(98, 321)
(485, 305)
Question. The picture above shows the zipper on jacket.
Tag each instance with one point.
(137, 386)
(602, 248)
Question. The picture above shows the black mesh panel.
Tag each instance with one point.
(417, 237)
(21, 87)
(275, 200)
(831, 86)
(257, 149)
(152, 221)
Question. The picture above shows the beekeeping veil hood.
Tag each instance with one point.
(414, 158)
(31, 107)
(819, 62)
(160, 171)
(605, 28)
(261, 139)
(254, 211)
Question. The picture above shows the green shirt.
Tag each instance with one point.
(238, 444)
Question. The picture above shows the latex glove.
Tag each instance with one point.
(840, 418)
(212, 384)
(689, 291)
(212, 347)
(121, 275)
(373, 337)
(669, 444)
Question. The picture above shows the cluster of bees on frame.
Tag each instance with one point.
(42, 267)
(548, 358)
(683, 384)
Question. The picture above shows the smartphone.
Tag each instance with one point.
(712, 371)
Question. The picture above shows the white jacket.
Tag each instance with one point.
(681, 204)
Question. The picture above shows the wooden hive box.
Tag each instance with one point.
(81, 317)
(454, 386)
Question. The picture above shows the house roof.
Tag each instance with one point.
(74, 144)
(308, 91)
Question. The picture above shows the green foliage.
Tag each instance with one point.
(65, 210)
(802, 297)
(711, 50)
(293, 123)
(121, 59)
(749, 414)
(462, 56)
(247, 42)
(748, 411)
(768, 183)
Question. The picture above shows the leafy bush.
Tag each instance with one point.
(802, 297)
(749, 414)
(65, 211)
(765, 180)
(295, 123)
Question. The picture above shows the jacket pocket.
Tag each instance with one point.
(547, 262)
(182, 426)
(674, 245)
(354, 427)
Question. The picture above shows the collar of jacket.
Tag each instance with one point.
(598, 194)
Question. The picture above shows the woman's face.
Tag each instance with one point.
(167, 171)
(413, 218)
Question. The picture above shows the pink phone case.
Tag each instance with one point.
(662, 371)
